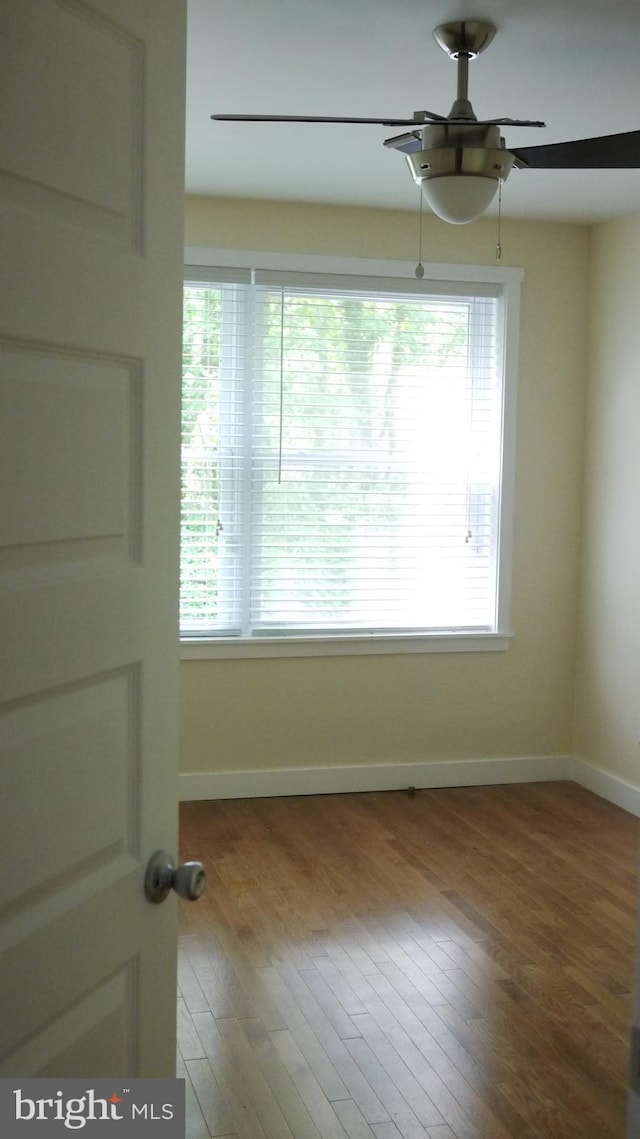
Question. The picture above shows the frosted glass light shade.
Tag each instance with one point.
(459, 198)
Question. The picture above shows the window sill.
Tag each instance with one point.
(363, 644)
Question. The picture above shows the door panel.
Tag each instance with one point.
(72, 143)
(89, 350)
(79, 479)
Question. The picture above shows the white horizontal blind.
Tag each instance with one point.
(215, 448)
(341, 456)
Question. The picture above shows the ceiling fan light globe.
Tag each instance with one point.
(459, 198)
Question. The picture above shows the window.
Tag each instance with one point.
(342, 456)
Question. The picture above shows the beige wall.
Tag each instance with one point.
(260, 714)
(607, 725)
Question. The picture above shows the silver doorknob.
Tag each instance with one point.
(188, 880)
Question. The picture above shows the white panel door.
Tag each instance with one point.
(91, 205)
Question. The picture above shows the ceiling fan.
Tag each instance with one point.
(459, 160)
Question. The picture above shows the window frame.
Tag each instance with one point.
(203, 264)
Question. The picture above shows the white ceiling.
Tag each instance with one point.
(573, 63)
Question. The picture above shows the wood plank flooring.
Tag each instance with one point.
(450, 964)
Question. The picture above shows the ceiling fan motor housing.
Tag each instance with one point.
(449, 150)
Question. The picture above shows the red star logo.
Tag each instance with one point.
(115, 1098)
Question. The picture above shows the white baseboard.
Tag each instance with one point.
(608, 786)
(377, 777)
(397, 776)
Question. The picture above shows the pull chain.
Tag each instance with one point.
(419, 266)
(498, 245)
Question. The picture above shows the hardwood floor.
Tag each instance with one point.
(450, 964)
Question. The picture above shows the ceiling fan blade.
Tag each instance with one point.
(611, 151)
(410, 142)
(405, 143)
(510, 123)
(388, 122)
(430, 117)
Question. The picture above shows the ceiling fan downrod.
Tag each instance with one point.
(464, 40)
